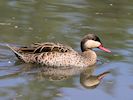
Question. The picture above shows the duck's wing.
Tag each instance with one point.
(43, 47)
(50, 47)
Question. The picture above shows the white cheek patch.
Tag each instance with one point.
(92, 44)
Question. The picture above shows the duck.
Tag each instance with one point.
(60, 55)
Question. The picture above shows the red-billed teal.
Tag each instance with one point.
(59, 55)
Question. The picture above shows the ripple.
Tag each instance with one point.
(130, 30)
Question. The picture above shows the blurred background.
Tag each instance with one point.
(23, 22)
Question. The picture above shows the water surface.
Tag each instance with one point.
(67, 21)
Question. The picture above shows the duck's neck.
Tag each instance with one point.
(90, 55)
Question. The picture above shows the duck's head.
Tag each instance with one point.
(92, 41)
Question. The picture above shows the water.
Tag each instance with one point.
(67, 21)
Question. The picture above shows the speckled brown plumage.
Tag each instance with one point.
(57, 55)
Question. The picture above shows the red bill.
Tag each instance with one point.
(104, 49)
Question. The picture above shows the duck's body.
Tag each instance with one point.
(59, 55)
(55, 55)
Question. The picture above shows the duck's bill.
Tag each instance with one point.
(104, 49)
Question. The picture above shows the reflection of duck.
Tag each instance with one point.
(55, 54)
(87, 80)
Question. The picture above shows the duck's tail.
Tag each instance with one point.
(14, 49)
